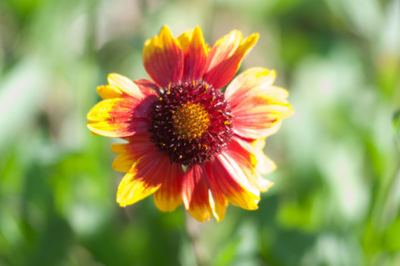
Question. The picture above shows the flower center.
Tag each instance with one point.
(191, 122)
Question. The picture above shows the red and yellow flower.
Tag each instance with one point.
(187, 141)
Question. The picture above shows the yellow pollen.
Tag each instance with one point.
(191, 120)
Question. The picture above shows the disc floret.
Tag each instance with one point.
(191, 122)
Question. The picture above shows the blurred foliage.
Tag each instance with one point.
(337, 194)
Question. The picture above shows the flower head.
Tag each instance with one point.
(187, 141)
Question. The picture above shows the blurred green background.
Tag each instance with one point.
(337, 195)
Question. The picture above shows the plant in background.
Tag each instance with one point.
(187, 141)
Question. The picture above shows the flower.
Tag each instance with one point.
(187, 141)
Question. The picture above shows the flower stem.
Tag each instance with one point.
(193, 229)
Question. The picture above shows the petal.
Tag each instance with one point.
(163, 58)
(227, 178)
(257, 106)
(145, 175)
(225, 57)
(147, 87)
(257, 118)
(195, 54)
(125, 110)
(121, 86)
(120, 117)
(195, 194)
(125, 159)
(264, 164)
(169, 196)
(143, 179)
(218, 204)
(138, 146)
(153, 171)
(248, 83)
(257, 128)
(246, 155)
(200, 198)
(107, 91)
(132, 189)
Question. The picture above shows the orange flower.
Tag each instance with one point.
(186, 140)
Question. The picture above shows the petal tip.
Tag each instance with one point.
(113, 76)
(165, 34)
(254, 36)
(122, 203)
(165, 29)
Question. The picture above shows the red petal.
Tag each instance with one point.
(147, 87)
(195, 54)
(246, 155)
(257, 105)
(250, 82)
(143, 179)
(232, 181)
(163, 58)
(200, 198)
(151, 171)
(264, 164)
(225, 57)
(169, 196)
(120, 117)
(120, 86)
(195, 193)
